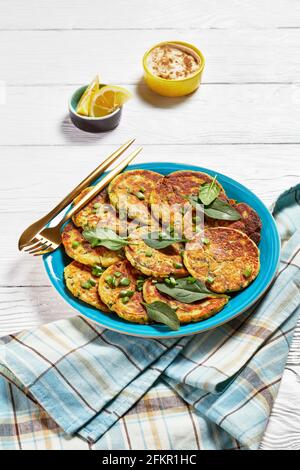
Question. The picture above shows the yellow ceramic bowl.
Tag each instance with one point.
(165, 87)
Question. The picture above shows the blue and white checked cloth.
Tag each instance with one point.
(71, 384)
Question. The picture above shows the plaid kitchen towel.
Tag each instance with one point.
(72, 384)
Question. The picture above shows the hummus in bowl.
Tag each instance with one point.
(173, 68)
(173, 61)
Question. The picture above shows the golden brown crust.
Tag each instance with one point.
(152, 262)
(229, 262)
(177, 186)
(249, 223)
(84, 253)
(230, 259)
(131, 311)
(186, 313)
(77, 274)
(98, 212)
(173, 191)
(135, 186)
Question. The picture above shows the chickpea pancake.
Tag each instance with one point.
(98, 212)
(153, 262)
(249, 223)
(118, 290)
(134, 187)
(227, 261)
(83, 285)
(174, 190)
(187, 313)
(80, 249)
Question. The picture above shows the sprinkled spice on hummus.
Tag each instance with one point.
(173, 61)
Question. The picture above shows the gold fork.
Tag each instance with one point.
(49, 239)
(29, 236)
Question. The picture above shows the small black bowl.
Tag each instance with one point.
(92, 124)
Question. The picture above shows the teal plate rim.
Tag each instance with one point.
(269, 257)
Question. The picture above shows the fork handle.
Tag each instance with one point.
(99, 186)
(89, 179)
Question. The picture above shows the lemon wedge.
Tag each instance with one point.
(108, 99)
(84, 104)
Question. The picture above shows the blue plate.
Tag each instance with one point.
(269, 256)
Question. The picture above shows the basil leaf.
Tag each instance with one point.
(221, 210)
(162, 241)
(104, 237)
(208, 192)
(160, 244)
(187, 292)
(194, 201)
(162, 313)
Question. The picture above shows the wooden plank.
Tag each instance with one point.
(233, 56)
(27, 307)
(51, 172)
(216, 114)
(153, 14)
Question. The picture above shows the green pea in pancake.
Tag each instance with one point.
(114, 294)
(228, 260)
(153, 262)
(83, 285)
(249, 223)
(80, 249)
(134, 187)
(186, 313)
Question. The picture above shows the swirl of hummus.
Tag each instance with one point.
(173, 61)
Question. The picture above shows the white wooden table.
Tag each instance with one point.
(243, 121)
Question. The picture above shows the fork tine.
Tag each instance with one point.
(30, 243)
(37, 244)
(44, 246)
(43, 252)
